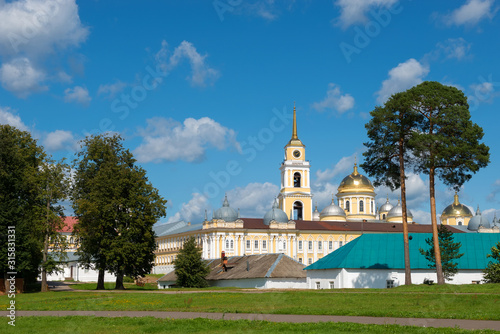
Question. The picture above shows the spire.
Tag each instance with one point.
(206, 217)
(333, 199)
(225, 203)
(294, 133)
(477, 211)
(355, 172)
(455, 201)
(295, 141)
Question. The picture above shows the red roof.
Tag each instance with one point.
(69, 223)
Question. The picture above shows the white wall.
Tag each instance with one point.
(79, 274)
(163, 269)
(377, 278)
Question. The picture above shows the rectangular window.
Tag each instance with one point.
(320, 245)
(318, 286)
(390, 284)
(284, 244)
(256, 244)
(330, 245)
(310, 260)
(310, 245)
(300, 245)
(300, 260)
(248, 244)
(332, 284)
(264, 244)
(341, 243)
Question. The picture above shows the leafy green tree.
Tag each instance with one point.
(54, 186)
(189, 266)
(390, 131)
(446, 145)
(20, 161)
(492, 270)
(116, 207)
(449, 251)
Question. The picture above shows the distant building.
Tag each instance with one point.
(376, 261)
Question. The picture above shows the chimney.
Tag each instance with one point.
(223, 260)
(248, 265)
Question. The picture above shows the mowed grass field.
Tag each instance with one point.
(481, 302)
(77, 325)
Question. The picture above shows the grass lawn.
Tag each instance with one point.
(75, 325)
(431, 303)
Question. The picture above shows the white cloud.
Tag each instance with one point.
(417, 192)
(457, 48)
(496, 189)
(323, 194)
(471, 12)
(20, 77)
(402, 77)
(35, 27)
(422, 217)
(334, 100)
(8, 117)
(78, 94)
(253, 200)
(111, 89)
(60, 140)
(201, 73)
(30, 30)
(343, 166)
(169, 140)
(354, 11)
(194, 210)
(490, 214)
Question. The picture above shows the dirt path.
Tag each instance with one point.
(421, 322)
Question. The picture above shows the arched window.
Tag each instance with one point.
(361, 206)
(459, 223)
(227, 244)
(232, 244)
(296, 180)
(347, 206)
(383, 216)
(372, 207)
(297, 211)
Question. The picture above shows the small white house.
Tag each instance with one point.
(377, 261)
(263, 271)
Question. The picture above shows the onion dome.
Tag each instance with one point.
(456, 209)
(316, 213)
(275, 214)
(386, 207)
(477, 221)
(332, 210)
(397, 211)
(355, 181)
(226, 213)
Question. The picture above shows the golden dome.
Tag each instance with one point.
(355, 181)
(456, 209)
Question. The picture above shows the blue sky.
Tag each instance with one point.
(203, 91)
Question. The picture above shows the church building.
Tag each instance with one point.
(291, 226)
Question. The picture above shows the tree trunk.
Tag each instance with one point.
(435, 235)
(119, 281)
(100, 280)
(405, 218)
(45, 287)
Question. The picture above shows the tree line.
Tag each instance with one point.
(112, 198)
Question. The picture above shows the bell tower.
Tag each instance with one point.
(295, 197)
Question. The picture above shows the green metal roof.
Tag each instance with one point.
(385, 251)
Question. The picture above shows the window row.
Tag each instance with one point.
(310, 245)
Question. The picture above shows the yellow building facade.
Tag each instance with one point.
(291, 226)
